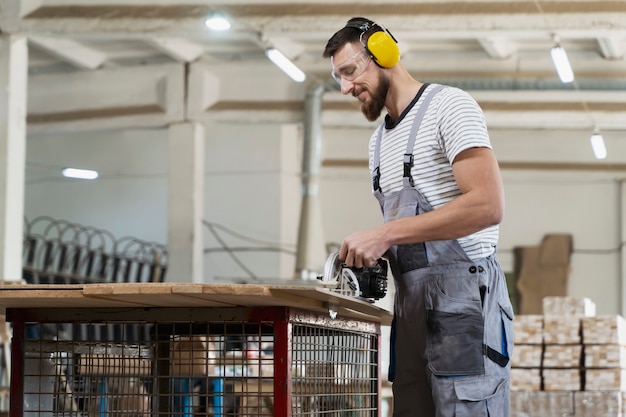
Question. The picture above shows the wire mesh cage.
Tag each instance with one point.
(230, 362)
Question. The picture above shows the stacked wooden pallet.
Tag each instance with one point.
(569, 362)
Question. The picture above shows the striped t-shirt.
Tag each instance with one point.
(453, 123)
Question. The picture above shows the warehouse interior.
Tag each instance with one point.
(217, 167)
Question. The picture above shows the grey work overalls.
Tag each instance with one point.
(453, 332)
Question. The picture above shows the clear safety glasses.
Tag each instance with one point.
(351, 68)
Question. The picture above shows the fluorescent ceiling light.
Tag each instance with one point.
(562, 65)
(83, 174)
(216, 21)
(597, 144)
(285, 64)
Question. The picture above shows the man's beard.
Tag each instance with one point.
(372, 109)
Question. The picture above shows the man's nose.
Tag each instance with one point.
(346, 86)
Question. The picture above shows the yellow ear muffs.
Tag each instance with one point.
(384, 49)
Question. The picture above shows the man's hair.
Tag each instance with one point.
(351, 32)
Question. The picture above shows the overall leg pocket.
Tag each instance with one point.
(455, 327)
(481, 397)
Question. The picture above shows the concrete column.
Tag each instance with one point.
(186, 203)
(13, 89)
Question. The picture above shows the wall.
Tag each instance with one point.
(129, 198)
(584, 202)
(251, 180)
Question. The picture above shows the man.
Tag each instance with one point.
(438, 183)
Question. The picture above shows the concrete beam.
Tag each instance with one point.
(70, 51)
(107, 98)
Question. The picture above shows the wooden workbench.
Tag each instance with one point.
(299, 321)
(189, 295)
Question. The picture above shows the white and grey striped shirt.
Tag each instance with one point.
(453, 123)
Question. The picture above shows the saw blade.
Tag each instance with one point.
(332, 269)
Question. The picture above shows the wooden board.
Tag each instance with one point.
(149, 295)
(189, 295)
(528, 329)
(604, 329)
(613, 379)
(527, 356)
(53, 295)
(605, 356)
(525, 379)
(561, 330)
(322, 298)
(561, 379)
(562, 356)
(598, 403)
(551, 403)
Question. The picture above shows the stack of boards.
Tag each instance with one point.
(568, 361)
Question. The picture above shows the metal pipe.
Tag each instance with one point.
(311, 249)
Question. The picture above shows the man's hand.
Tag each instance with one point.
(363, 248)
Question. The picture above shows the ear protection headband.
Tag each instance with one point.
(381, 44)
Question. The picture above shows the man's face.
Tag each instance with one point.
(358, 75)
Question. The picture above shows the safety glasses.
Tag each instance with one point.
(352, 68)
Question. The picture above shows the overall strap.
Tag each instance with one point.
(408, 156)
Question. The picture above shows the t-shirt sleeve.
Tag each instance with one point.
(461, 123)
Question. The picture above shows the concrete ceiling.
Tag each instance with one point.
(499, 50)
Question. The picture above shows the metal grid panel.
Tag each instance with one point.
(335, 372)
(212, 367)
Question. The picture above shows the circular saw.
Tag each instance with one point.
(366, 283)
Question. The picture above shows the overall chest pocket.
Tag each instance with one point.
(455, 326)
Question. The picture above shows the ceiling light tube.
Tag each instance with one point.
(285, 64)
(597, 145)
(83, 174)
(217, 22)
(561, 63)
